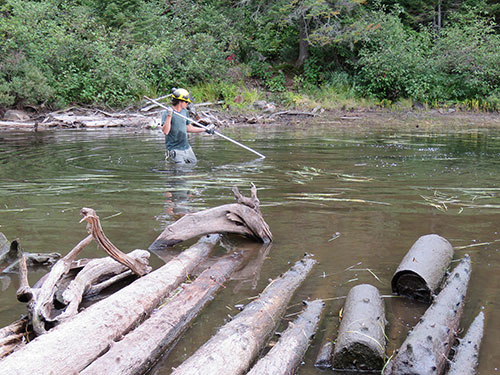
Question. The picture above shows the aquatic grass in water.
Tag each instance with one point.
(463, 198)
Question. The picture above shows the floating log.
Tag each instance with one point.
(427, 346)
(360, 343)
(243, 218)
(466, 356)
(237, 343)
(73, 345)
(287, 354)
(141, 348)
(324, 357)
(423, 267)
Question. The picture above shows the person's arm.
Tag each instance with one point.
(194, 129)
(165, 128)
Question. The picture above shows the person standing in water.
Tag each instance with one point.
(176, 128)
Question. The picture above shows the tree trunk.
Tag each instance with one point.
(466, 356)
(243, 218)
(141, 348)
(360, 344)
(73, 345)
(426, 348)
(236, 344)
(303, 42)
(286, 355)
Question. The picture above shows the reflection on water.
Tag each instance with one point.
(357, 200)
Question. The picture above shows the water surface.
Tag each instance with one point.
(356, 198)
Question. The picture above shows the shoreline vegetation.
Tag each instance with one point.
(301, 55)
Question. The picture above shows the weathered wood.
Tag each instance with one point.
(360, 343)
(94, 226)
(421, 271)
(236, 344)
(466, 356)
(73, 345)
(23, 293)
(324, 357)
(287, 354)
(230, 218)
(426, 347)
(96, 270)
(13, 336)
(141, 348)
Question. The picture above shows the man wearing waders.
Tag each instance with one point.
(176, 128)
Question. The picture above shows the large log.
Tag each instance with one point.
(236, 344)
(426, 348)
(141, 348)
(422, 269)
(360, 344)
(73, 345)
(243, 218)
(466, 356)
(287, 354)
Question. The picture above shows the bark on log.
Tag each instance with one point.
(141, 348)
(423, 267)
(360, 343)
(324, 358)
(240, 218)
(426, 348)
(236, 344)
(466, 356)
(73, 345)
(13, 336)
(287, 354)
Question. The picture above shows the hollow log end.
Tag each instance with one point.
(358, 357)
(409, 284)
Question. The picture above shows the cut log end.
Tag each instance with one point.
(411, 285)
(358, 357)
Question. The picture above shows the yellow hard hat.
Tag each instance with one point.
(181, 94)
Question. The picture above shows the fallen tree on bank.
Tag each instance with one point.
(426, 348)
(237, 344)
(72, 346)
(242, 218)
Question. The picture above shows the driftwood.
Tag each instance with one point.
(466, 356)
(73, 345)
(324, 357)
(236, 344)
(243, 218)
(427, 346)
(141, 348)
(360, 344)
(420, 272)
(13, 336)
(286, 355)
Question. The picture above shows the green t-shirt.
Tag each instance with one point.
(177, 138)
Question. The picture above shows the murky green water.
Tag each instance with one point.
(356, 199)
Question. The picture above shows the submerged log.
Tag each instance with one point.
(426, 349)
(360, 344)
(466, 356)
(236, 344)
(141, 348)
(423, 267)
(73, 345)
(243, 218)
(286, 355)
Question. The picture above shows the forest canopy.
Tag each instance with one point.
(101, 52)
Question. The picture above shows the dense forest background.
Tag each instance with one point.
(103, 52)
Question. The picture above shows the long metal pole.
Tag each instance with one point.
(206, 128)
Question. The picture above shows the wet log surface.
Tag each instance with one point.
(237, 344)
(360, 343)
(324, 357)
(287, 354)
(421, 271)
(73, 345)
(141, 348)
(426, 349)
(242, 218)
(466, 356)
